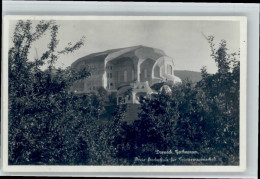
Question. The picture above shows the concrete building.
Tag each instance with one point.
(133, 68)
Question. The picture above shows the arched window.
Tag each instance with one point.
(157, 71)
(145, 73)
(125, 76)
(169, 69)
(133, 75)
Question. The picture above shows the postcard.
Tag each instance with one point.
(124, 94)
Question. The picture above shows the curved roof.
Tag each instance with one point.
(134, 51)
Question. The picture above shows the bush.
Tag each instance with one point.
(47, 123)
(203, 118)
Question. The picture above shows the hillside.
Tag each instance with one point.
(190, 75)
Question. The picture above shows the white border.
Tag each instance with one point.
(49, 168)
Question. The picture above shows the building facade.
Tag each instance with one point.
(136, 68)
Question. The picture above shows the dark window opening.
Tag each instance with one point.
(141, 98)
(169, 69)
(119, 99)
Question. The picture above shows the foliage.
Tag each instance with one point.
(166, 122)
(112, 98)
(47, 123)
(222, 99)
(202, 117)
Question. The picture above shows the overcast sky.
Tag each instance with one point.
(181, 40)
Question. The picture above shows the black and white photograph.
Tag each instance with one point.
(124, 93)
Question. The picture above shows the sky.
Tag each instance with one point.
(181, 40)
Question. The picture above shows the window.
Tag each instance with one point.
(111, 84)
(118, 77)
(125, 76)
(110, 75)
(111, 68)
(157, 71)
(119, 99)
(169, 69)
(133, 75)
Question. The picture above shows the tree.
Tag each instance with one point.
(221, 91)
(203, 118)
(47, 123)
(154, 129)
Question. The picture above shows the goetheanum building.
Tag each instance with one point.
(128, 71)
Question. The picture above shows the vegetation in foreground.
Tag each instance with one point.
(49, 126)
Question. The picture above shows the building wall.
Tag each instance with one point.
(163, 70)
(110, 77)
(165, 73)
(123, 71)
(96, 67)
(146, 70)
(92, 83)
